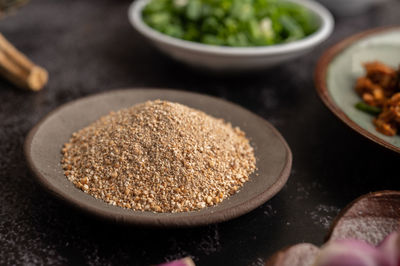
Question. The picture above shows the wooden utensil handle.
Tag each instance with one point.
(18, 69)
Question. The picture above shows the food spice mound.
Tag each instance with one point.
(159, 156)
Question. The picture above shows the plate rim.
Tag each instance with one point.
(320, 79)
(192, 220)
(345, 211)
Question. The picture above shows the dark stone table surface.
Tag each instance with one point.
(88, 47)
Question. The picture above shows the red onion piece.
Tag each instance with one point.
(181, 262)
(390, 247)
(351, 252)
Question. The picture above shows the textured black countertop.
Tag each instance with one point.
(89, 47)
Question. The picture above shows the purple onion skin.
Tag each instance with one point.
(181, 262)
(351, 252)
(390, 247)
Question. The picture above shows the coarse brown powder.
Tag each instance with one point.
(159, 156)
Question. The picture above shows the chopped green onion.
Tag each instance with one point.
(231, 22)
(373, 110)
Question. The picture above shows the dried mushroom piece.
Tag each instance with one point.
(371, 93)
(380, 91)
(389, 120)
(383, 76)
(379, 83)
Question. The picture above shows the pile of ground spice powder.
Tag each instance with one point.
(159, 156)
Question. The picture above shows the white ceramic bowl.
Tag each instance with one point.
(222, 58)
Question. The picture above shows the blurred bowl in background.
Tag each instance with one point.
(350, 7)
(233, 59)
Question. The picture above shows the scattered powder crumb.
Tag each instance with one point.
(302, 191)
(268, 211)
(323, 215)
(159, 156)
(204, 242)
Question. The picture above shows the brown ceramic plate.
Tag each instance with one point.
(370, 218)
(340, 66)
(44, 142)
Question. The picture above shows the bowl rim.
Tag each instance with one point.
(322, 33)
(320, 78)
(196, 218)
